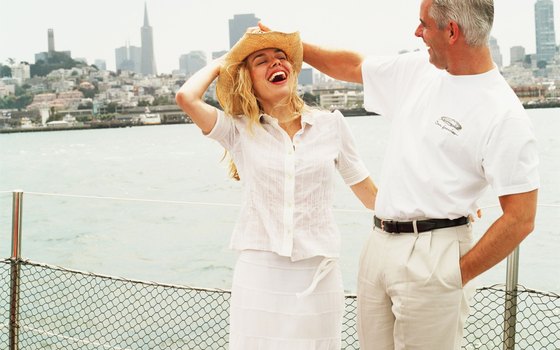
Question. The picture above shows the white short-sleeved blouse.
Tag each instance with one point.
(289, 184)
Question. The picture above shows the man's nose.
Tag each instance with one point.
(418, 31)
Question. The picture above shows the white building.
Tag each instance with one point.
(7, 90)
(21, 72)
(342, 100)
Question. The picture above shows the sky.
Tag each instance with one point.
(93, 29)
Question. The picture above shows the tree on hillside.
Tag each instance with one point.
(5, 71)
(56, 60)
(16, 102)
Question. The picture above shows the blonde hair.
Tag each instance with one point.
(243, 97)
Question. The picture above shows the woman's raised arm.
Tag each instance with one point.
(190, 96)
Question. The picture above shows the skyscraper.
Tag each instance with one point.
(128, 58)
(239, 24)
(544, 30)
(495, 52)
(148, 63)
(517, 54)
(305, 77)
(192, 62)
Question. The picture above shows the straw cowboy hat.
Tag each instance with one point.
(289, 43)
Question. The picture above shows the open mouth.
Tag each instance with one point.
(278, 77)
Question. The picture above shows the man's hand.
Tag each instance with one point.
(263, 27)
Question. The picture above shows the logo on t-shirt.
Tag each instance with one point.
(449, 124)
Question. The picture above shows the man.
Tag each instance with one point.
(457, 127)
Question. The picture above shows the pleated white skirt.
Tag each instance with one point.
(275, 304)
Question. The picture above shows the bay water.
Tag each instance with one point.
(154, 203)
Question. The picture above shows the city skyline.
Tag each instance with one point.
(180, 27)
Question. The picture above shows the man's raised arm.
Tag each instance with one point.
(338, 64)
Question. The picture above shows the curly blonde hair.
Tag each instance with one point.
(243, 98)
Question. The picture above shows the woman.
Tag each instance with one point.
(287, 287)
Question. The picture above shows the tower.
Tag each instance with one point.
(50, 34)
(239, 24)
(544, 30)
(148, 64)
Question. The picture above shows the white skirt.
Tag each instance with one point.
(278, 304)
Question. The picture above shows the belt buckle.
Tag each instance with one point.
(383, 225)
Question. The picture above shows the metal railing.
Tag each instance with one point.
(17, 214)
(56, 308)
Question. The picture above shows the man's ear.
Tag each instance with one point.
(454, 32)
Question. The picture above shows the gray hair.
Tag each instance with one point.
(474, 17)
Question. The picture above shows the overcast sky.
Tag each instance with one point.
(93, 29)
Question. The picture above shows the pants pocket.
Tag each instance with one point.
(434, 261)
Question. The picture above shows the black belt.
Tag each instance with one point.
(421, 225)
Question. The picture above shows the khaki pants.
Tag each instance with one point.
(409, 290)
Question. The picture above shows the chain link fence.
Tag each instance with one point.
(65, 309)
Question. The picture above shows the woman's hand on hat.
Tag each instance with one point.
(217, 64)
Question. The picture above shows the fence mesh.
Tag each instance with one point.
(64, 309)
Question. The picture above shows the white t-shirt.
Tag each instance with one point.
(451, 137)
(289, 186)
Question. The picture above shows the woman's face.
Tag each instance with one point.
(270, 73)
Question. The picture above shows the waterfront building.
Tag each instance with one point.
(239, 24)
(148, 66)
(544, 30)
(342, 99)
(516, 55)
(192, 62)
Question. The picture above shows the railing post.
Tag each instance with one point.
(17, 200)
(510, 315)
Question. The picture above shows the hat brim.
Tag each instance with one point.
(289, 43)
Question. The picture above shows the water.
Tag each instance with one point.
(182, 235)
